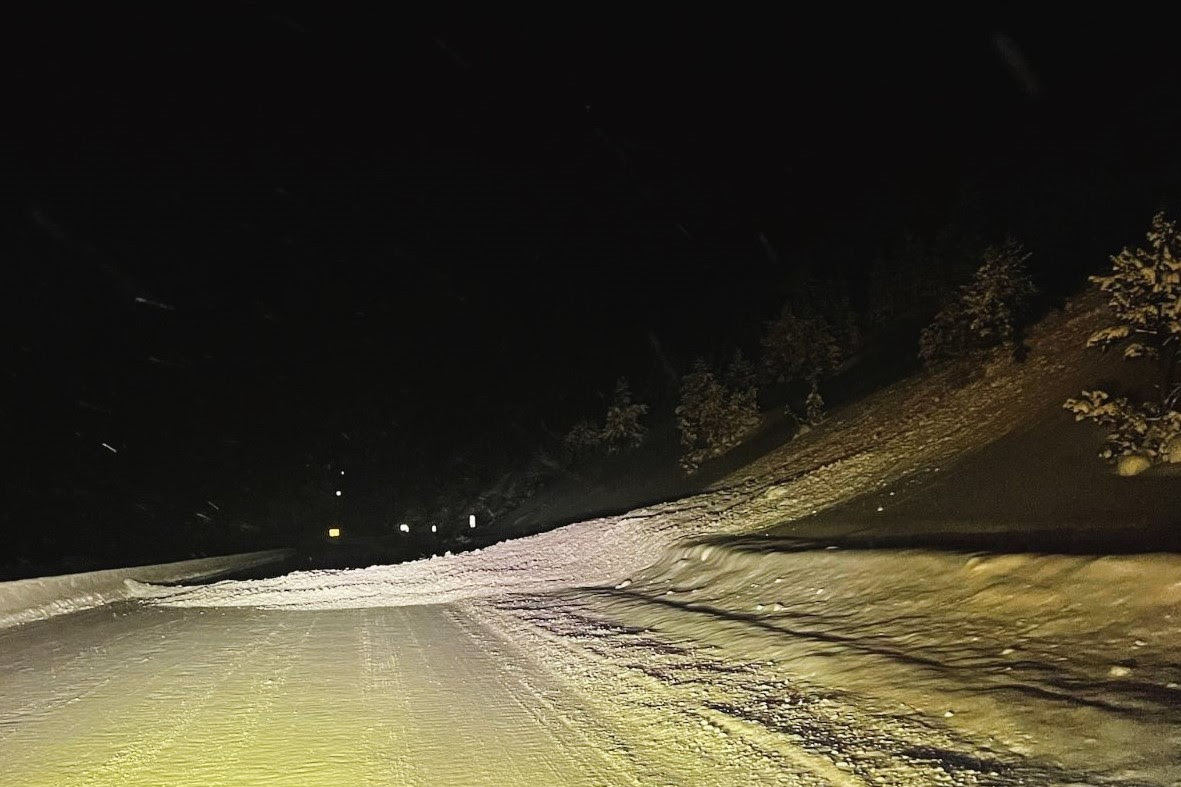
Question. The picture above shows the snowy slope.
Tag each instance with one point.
(25, 600)
(912, 428)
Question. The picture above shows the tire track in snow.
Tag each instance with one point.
(74, 678)
(121, 725)
(384, 665)
(530, 690)
(670, 733)
(575, 729)
(141, 751)
(383, 696)
(242, 713)
(474, 722)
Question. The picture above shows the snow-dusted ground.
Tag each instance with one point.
(673, 645)
(26, 600)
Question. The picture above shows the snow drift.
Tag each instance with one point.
(588, 553)
(26, 600)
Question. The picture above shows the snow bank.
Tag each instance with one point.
(1071, 657)
(588, 553)
(1130, 603)
(26, 600)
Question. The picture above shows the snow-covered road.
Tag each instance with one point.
(420, 695)
(677, 644)
(409, 695)
(718, 666)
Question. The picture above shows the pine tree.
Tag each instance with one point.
(1144, 294)
(814, 410)
(712, 417)
(998, 298)
(987, 312)
(800, 345)
(1136, 427)
(622, 428)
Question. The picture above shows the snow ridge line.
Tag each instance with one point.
(26, 600)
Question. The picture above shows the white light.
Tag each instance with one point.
(404, 528)
(471, 520)
(342, 472)
(434, 529)
(338, 493)
(334, 532)
(110, 448)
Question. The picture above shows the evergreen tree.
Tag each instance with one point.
(622, 428)
(712, 417)
(1144, 295)
(800, 345)
(987, 312)
(814, 410)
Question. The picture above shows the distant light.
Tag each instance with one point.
(342, 472)
(109, 448)
(338, 493)
(471, 520)
(155, 304)
(404, 528)
(434, 529)
(334, 532)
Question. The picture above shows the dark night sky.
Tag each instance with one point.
(380, 241)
